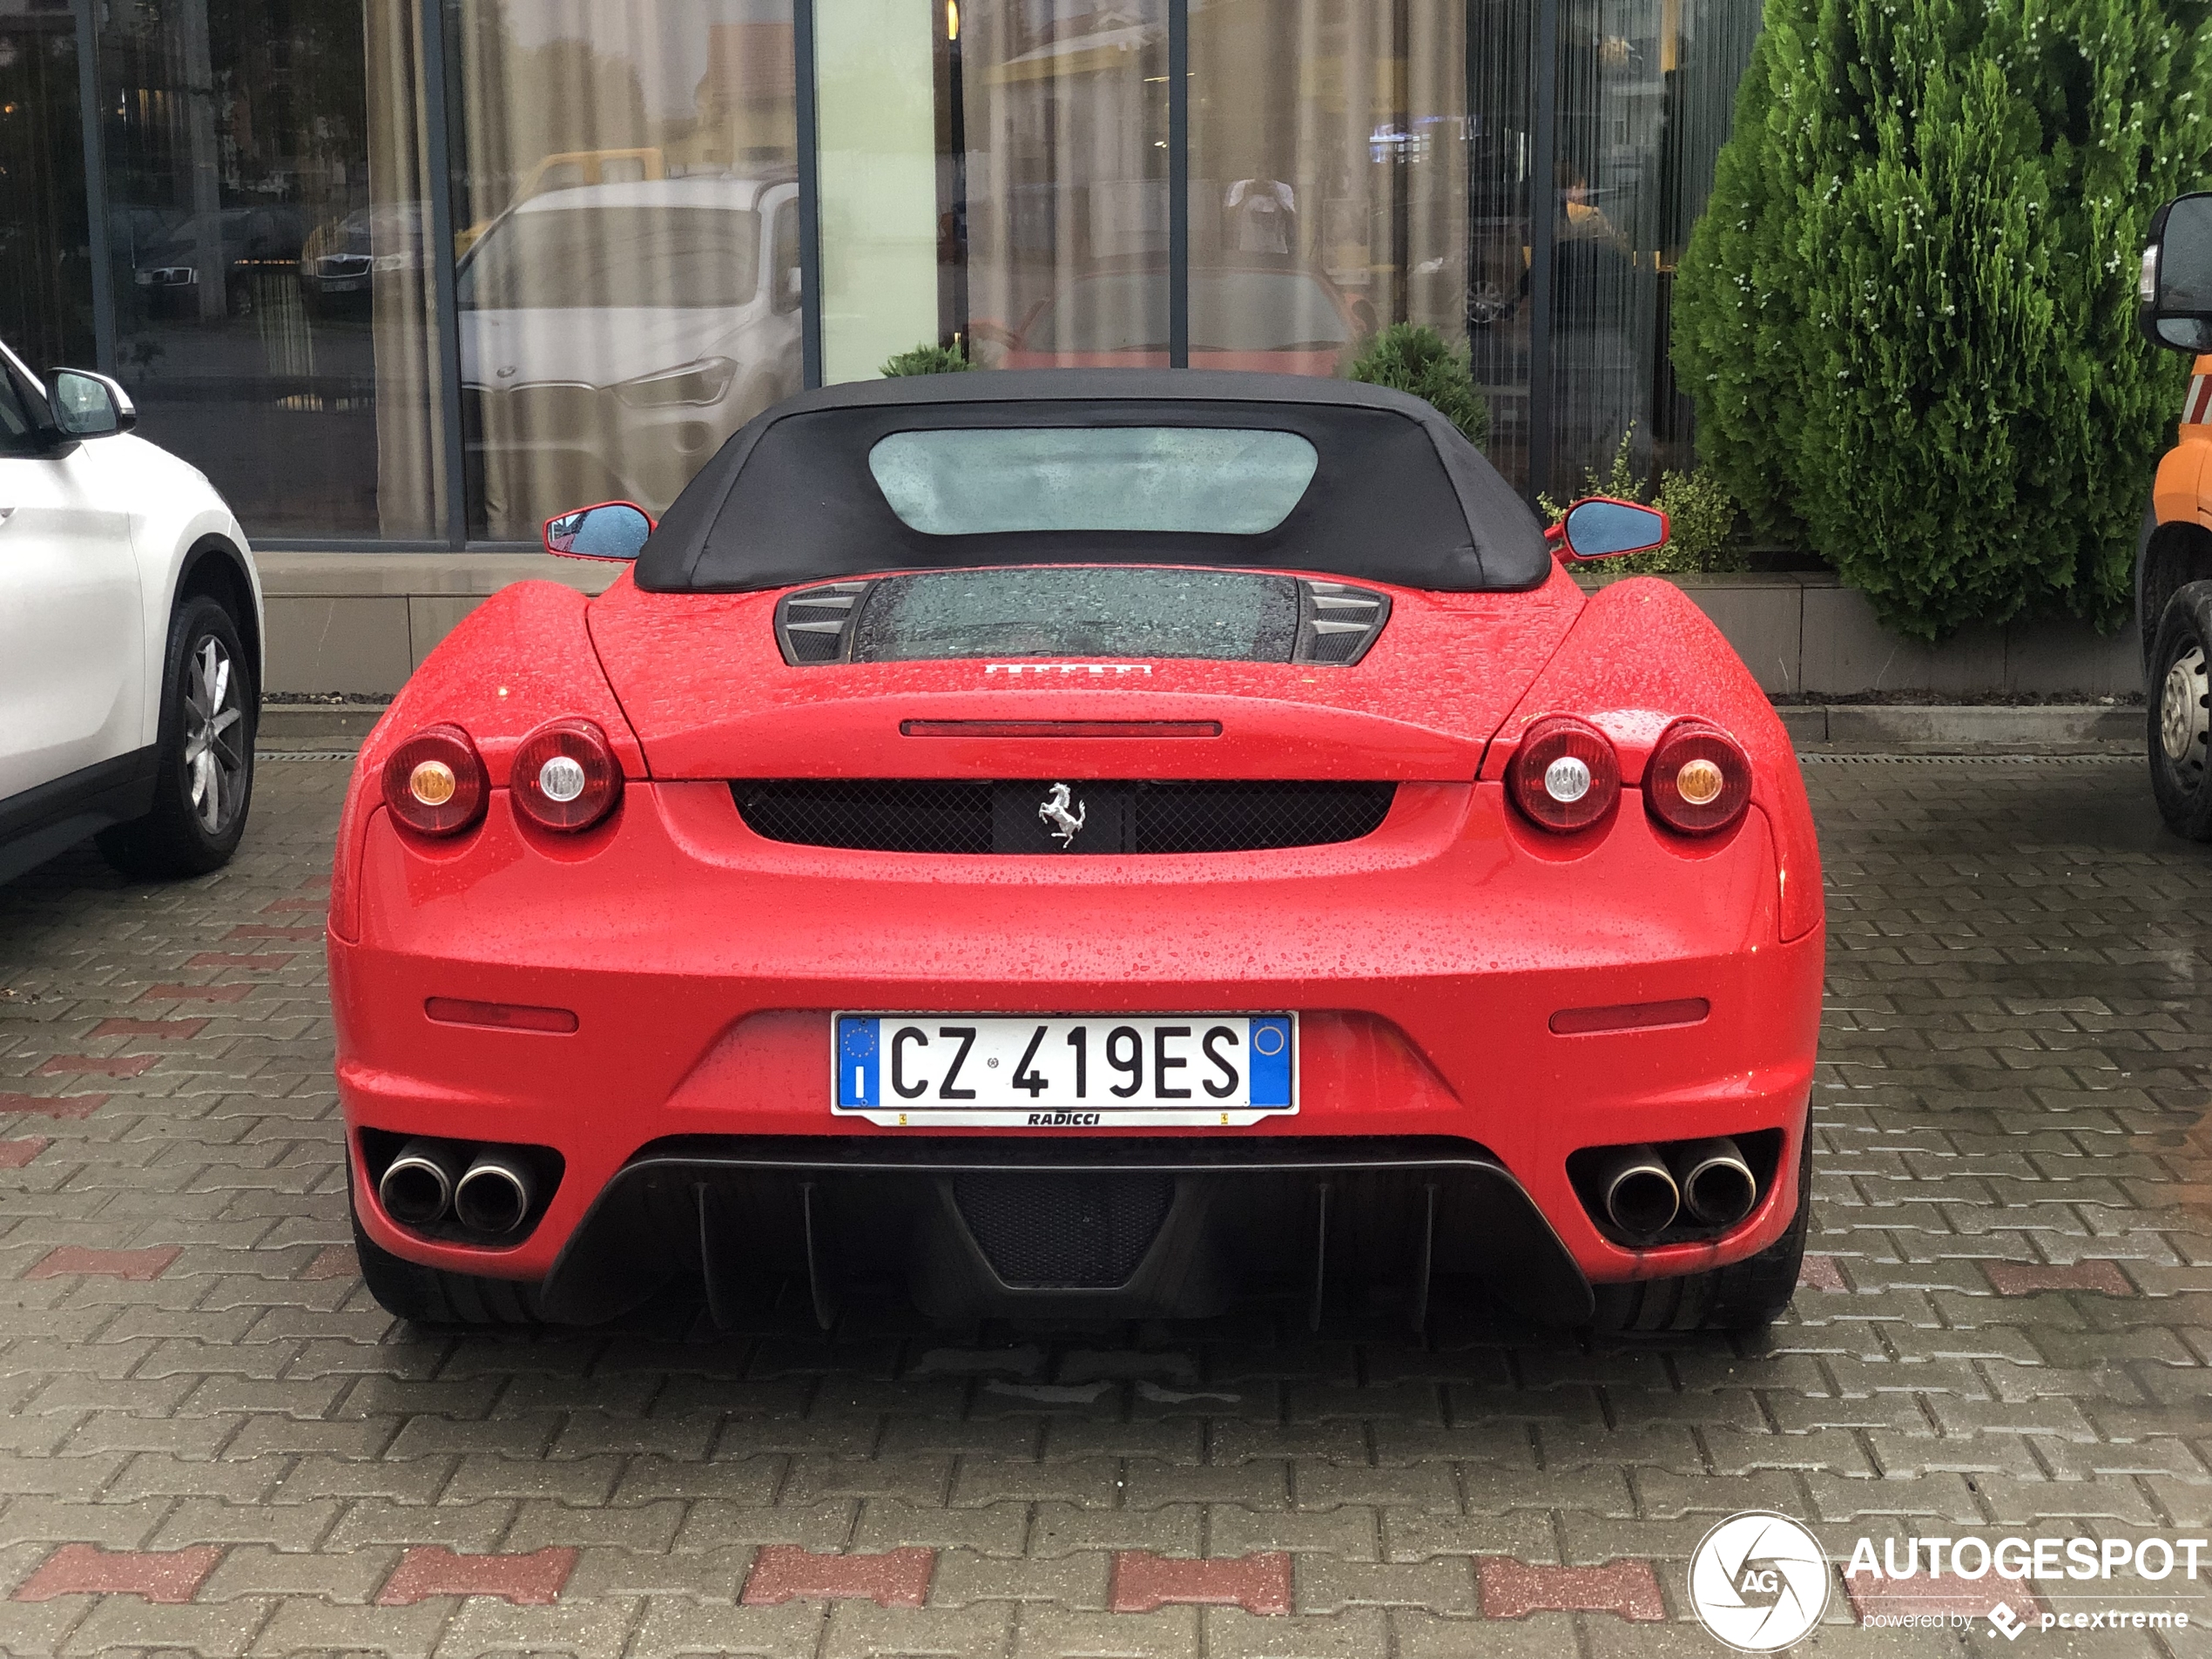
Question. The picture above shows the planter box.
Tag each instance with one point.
(361, 622)
(1809, 633)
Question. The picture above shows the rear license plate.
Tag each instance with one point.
(1016, 1072)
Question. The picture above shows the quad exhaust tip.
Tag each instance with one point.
(494, 1195)
(1640, 1192)
(430, 1180)
(417, 1188)
(1717, 1186)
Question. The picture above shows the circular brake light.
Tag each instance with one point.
(1566, 775)
(1698, 781)
(565, 777)
(434, 782)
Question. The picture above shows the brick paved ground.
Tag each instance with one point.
(211, 1440)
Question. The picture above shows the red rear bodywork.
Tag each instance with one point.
(1444, 967)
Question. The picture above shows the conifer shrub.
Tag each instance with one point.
(929, 358)
(1906, 315)
(1413, 357)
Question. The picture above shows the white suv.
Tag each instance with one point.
(130, 638)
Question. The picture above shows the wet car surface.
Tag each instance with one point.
(212, 1439)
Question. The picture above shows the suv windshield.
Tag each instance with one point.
(594, 258)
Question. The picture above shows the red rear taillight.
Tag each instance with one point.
(1698, 779)
(435, 781)
(564, 777)
(1565, 775)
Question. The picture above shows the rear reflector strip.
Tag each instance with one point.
(1059, 728)
(1630, 1016)
(503, 1016)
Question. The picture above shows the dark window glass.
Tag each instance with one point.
(45, 253)
(265, 194)
(16, 426)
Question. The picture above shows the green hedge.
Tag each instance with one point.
(1906, 315)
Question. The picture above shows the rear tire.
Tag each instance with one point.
(1747, 1295)
(203, 784)
(430, 1295)
(2180, 710)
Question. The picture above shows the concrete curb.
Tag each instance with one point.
(1908, 727)
(1964, 727)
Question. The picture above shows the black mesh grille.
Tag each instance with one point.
(1076, 1232)
(895, 815)
(1243, 817)
(927, 815)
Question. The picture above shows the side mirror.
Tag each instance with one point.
(613, 530)
(86, 405)
(1598, 527)
(2174, 291)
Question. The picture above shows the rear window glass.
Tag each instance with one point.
(1214, 481)
(1061, 611)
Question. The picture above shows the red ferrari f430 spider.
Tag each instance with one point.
(1083, 843)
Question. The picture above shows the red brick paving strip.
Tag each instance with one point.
(166, 1031)
(1821, 1274)
(168, 1576)
(75, 1261)
(195, 993)
(264, 964)
(432, 1569)
(2025, 1278)
(14, 1154)
(784, 1573)
(332, 1261)
(121, 1065)
(279, 906)
(1145, 1583)
(1513, 1589)
(258, 930)
(1973, 1597)
(38, 1105)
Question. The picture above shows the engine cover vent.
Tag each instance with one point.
(1124, 612)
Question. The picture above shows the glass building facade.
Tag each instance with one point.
(421, 272)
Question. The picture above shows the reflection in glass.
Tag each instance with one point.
(1646, 88)
(629, 245)
(1327, 150)
(45, 253)
(273, 315)
(1063, 107)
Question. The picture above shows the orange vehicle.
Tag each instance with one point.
(2173, 570)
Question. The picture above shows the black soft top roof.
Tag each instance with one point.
(1398, 496)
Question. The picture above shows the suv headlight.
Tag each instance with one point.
(704, 381)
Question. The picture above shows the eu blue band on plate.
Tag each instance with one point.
(859, 1081)
(1270, 1063)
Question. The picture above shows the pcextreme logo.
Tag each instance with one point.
(1758, 1581)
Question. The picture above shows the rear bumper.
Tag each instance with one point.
(1426, 961)
(972, 1228)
